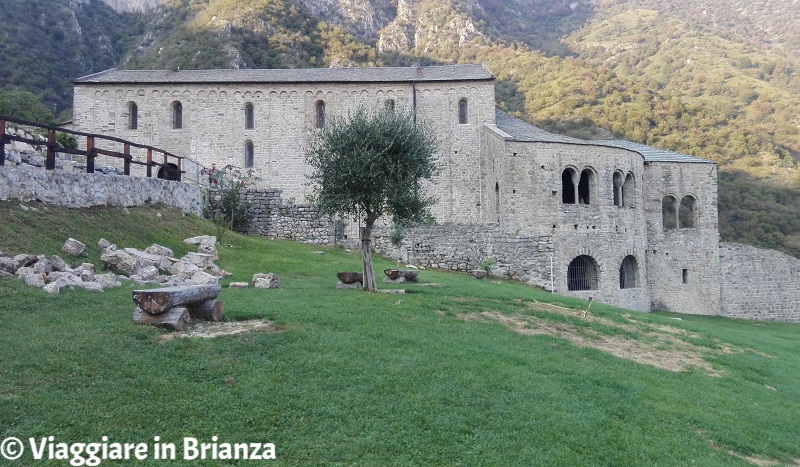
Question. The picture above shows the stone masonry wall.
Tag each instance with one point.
(274, 217)
(462, 247)
(759, 284)
(81, 190)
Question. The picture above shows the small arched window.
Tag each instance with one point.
(249, 118)
(618, 189)
(249, 154)
(569, 190)
(582, 274)
(686, 213)
(389, 105)
(319, 114)
(628, 273)
(629, 191)
(462, 111)
(585, 185)
(669, 212)
(133, 116)
(177, 115)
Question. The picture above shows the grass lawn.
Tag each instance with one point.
(455, 372)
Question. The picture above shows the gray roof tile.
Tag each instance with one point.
(305, 75)
(522, 131)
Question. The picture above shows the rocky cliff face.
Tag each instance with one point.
(133, 5)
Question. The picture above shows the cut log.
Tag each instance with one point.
(210, 310)
(174, 319)
(155, 301)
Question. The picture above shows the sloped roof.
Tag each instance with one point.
(652, 154)
(301, 75)
(522, 131)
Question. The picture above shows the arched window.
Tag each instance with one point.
(618, 189)
(585, 187)
(177, 115)
(569, 191)
(669, 212)
(319, 112)
(249, 118)
(389, 105)
(582, 274)
(629, 191)
(133, 116)
(628, 273)
(686, 213)
(248, 154)
(462, 111)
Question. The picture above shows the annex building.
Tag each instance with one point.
(623, 223)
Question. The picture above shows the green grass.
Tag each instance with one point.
(377, 379)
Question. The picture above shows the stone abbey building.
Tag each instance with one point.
(620, 222)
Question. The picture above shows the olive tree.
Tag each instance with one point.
(370, 164)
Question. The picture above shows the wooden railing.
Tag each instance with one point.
(171, 166)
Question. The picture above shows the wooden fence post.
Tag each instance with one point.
(3, 142)
(127, 162)
(180, 173)
(90, 154)
(50, 163)
(149, 162)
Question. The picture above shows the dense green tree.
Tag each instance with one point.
(371, 164)
(24, 105)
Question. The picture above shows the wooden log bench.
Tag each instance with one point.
(173, 308)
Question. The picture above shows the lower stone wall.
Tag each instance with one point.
(81, 190)
(464, 247)
(274, 217)
(759, 284)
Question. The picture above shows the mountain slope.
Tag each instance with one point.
(717, 80)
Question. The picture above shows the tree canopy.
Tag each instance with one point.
(370, 164)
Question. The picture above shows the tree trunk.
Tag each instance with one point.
(174, 319)
(210, 310)
(366, 257)
(155, 301)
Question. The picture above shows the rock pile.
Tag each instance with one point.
(154, 265)
(157, 264)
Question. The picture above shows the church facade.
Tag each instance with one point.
(623, 223)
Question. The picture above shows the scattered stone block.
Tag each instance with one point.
(104, 244)
(52, 288)
(266, 281)
(25, 260)
(238, 285)
(349, 285)
(58, 264)
(73, 247)
(201, 239)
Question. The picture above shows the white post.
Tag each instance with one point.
(552, 283)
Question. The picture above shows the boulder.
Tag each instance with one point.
(58, 264)
(73, 247)
(25, 260)
(8, 265)
(147, 259)
(203, 278)
(121, 262)
(104, 244)
(51, 288)
(42, 265)
(148, 273)
(184, 269)
(201, 240)
(266, 281)
(31, 277)
(159, 250)
(210, 250)
(201, 260)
